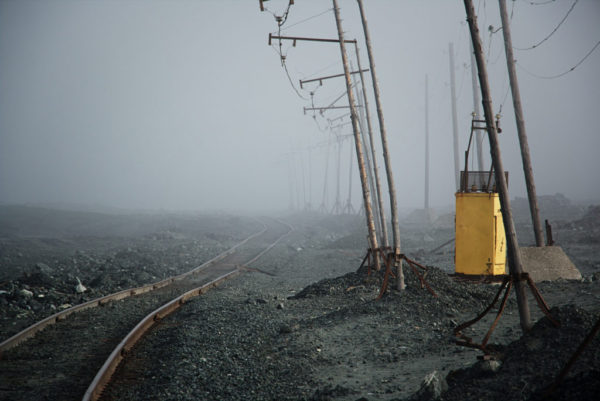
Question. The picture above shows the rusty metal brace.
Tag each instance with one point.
(388, 272)
(424, 282)
(369, 258)
(507, 284)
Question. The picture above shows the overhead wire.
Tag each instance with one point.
(541, 3)
(322, 69)
(307, 19)
(563, 73)
(281, 20)
(551, 33)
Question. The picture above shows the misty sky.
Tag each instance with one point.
(183, 105)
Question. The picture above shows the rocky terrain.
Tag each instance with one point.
(43, 254)
(313, 329)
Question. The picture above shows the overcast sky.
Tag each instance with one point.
(183, 105)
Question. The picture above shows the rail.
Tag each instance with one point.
(30, 331)
(105, 373)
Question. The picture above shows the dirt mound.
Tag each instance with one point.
(450, 295)
(529, 365)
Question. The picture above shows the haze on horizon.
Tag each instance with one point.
(182, 105)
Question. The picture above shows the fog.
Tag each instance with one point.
(182, 105)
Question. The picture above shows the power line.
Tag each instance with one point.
(307, 19)
(563, 73)
(541, 3)
(551, 33)
(335, 63)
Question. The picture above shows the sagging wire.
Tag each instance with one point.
(551, 33)
(281, 20)
(492, 31)
(541, 3)
(503, 100)
(307, 19)
(314, 114)
(563, 73)
(335, 63)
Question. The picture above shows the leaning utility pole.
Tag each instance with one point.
(357, 142)
(476, 113)
(454, 117)
(426, 205)
(514, 87)
(514, 254)
(383, 223)
(386, 156)
(370, 175)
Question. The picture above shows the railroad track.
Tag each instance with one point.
(73, 354)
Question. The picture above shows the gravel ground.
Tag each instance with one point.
(280, 337)
(44, 252)
(312, 329)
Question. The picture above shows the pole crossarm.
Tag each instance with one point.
(325, 108)
(297, 38)
(330, 120)
(305, 81)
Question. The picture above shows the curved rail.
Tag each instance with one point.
(30, 331)
(105, 373)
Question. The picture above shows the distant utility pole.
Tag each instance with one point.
(323, 206)
(426, 205)
(514, 255)
(454, 117)
(348, 208)
(514, 87)
(386, 156)
(337, 206)
(476, 113)
(357, 142)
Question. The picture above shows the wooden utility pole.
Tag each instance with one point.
(386, 156)
(357, 142)
(382, 222)
(476, 113)
(514, 87)
(514, 254)
(426, 205)
(454, 117)
(370, 173)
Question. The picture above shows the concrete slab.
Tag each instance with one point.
(548, 263)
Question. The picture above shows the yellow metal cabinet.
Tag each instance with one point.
(480, 239)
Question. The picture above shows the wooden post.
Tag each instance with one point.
(516, 95)
(454, 117)
(514, 254)
(386, 156)
(368, 153)
(476, 113)
(426, 205)
(384, 233)
(357, 142)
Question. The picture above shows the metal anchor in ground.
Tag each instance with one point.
(507, 284)
(393, 259)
